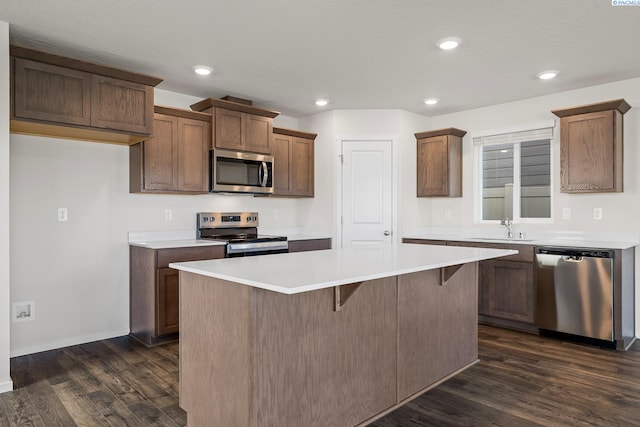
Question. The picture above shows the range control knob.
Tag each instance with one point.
(212, 218)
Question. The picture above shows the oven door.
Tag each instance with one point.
(257, 247)
(239, 172)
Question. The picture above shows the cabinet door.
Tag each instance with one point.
(281, 151)
(193, 155)
(258, 134)
(121, 105)
(433, 166)
(302, 163)
(230, 129)
(507, 289)
(160, 155)
(588, 154)
(167, 303)
(51, 93)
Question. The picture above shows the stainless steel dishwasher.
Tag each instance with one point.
(574, 291)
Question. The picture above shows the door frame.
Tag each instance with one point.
(394, 184)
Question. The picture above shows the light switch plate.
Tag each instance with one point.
(566, 213)
(597, 213)
(62, 214)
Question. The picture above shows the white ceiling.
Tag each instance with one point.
(283, 54)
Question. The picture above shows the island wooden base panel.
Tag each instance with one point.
(251, 357)
(415, 396)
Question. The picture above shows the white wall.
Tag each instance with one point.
(77, 272)
(336, 125)
(5, 305)
(620, 209)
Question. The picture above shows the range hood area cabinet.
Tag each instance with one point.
(293, 159)
(238, 125)
(176, 158)
(439, 163)
(591, 147)
(61, 97)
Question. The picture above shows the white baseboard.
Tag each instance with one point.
(67, 342)
(6, 386)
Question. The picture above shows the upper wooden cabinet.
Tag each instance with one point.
(176, 159)
(591, 147)
(238, 125)
(62, 97)
(293, 163)
(439, 163)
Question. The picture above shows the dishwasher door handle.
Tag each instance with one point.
(572, 258)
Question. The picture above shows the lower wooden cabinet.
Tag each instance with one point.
(293, 158)
(176, 159)
(167, 301)
(154, 290)
(506, 290)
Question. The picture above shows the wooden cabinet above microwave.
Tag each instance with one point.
(238, 125)
(62, 97)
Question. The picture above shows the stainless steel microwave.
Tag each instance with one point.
(240, 172)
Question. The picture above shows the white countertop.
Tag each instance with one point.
(186, 238)
(566, 242)
(179, 243)
(308, 271)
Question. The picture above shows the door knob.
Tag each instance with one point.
(387, 232)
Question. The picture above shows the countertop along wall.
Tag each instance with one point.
(77, 272)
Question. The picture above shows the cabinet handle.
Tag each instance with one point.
(263, 174)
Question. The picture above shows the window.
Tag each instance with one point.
(515, 174)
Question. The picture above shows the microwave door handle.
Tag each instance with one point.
(265, 174)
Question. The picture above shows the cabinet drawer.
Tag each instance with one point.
(525, 252)
(425, 241)
(309, 245)
(167, 256)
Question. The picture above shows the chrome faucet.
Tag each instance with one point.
(507, 223)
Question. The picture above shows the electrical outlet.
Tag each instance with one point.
(566, 213)
(23, 311)
(597, 213)
(447, 214)
(62, 214)
(168, 215)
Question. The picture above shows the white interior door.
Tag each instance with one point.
(367, 200)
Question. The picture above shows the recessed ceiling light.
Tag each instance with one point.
(547, 75)
(449, 43)
(321, 102)
(431, 101)
(202, 70)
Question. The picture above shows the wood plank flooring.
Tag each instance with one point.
(522, 380)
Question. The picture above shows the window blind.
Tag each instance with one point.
(514, 137)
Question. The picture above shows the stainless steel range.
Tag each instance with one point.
(240, 231)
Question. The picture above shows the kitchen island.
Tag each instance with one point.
(338, 337)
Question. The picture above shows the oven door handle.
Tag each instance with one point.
(263, 174)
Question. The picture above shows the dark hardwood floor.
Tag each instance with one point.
(522, 380)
